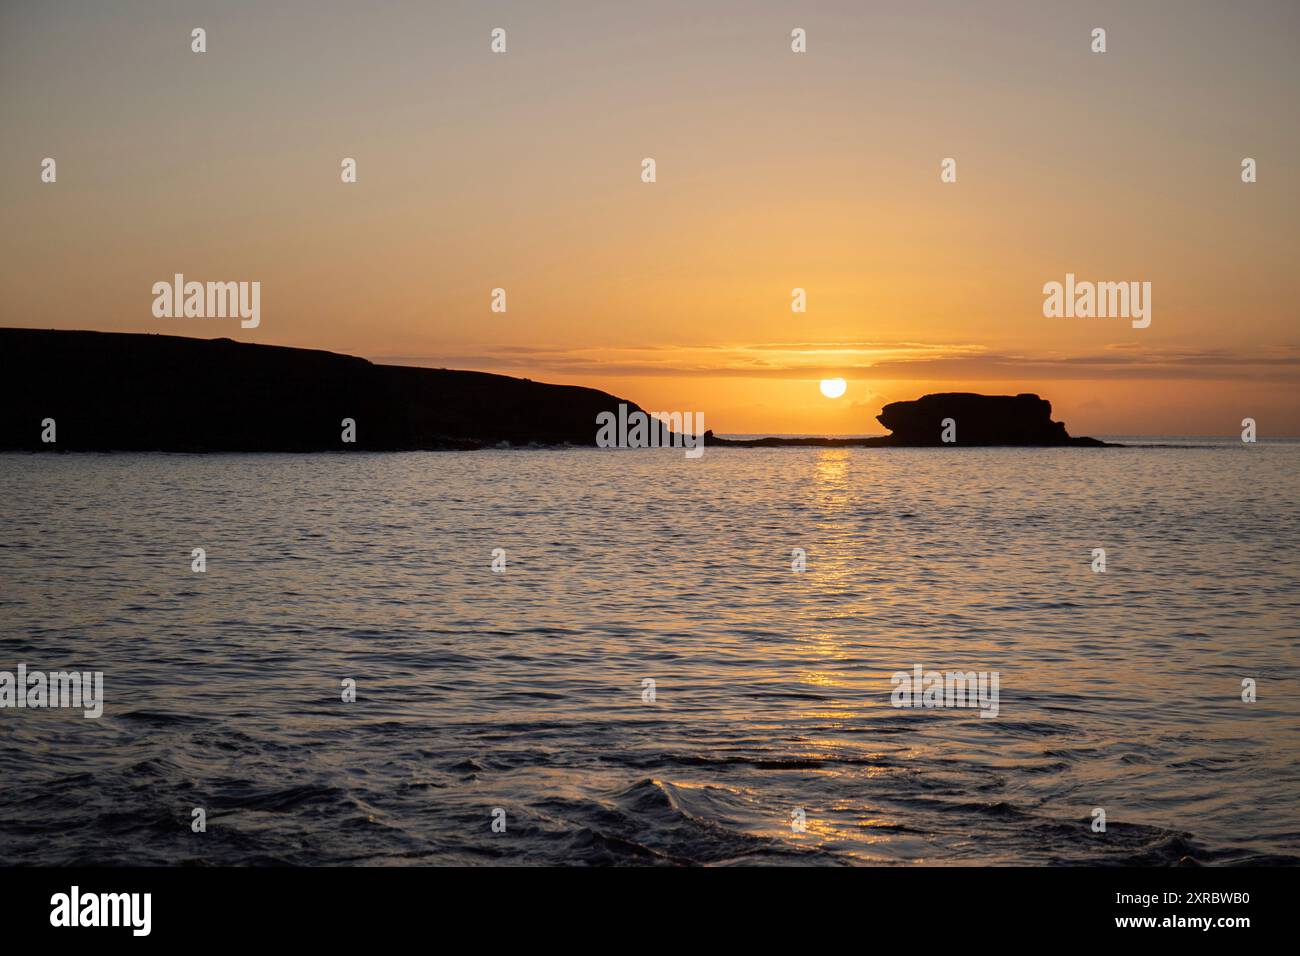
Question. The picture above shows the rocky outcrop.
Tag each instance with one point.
(1023, 419)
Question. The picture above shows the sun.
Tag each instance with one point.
(833, 387)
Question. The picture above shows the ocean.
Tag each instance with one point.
(507, 717)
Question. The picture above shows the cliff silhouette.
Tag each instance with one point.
(114, 391)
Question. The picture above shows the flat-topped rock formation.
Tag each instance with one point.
(976, 420)
(121, 391)
(1022, 419)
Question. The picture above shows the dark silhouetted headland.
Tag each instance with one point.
(131, 392)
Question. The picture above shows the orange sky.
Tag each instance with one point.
(775, 171)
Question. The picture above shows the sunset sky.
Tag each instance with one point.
(775, 170)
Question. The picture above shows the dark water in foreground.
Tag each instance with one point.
(523, 690)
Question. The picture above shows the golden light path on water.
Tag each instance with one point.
(524, 689)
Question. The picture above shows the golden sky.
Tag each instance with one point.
(775, 170)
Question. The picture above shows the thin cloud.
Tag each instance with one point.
(873, 360)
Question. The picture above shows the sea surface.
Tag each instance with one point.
(523, 690)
